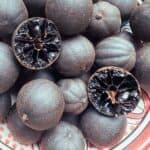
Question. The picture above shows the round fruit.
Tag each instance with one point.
(115, 51)
(142, 67)
(71, 16)
(140, 22)
(12, 13)
(9, 70)
(40, 104)
(126, 6)
(77, 56)
(35, 7)
(36, 43)
(64, 137)
(113, 91)
(5, 104)
(106, 20)
(75, 95)
(101, 130)
(20, 132)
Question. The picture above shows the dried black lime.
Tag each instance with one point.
(12, 13)
(64, 137)
(101, 130)
(71, 16)
(5, 104)
(126, 6)
(9, 70)
(106, 20)
(36, 43)
(140, 22)
(113, 91)
(75, 95)
(115, 51)
(20, 131)
(142, 67)
(77, 56)
(40, 104)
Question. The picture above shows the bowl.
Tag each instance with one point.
(136, 136)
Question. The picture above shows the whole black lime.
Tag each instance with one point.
(75, 95)
(64, 137)
(40, 104)
(126, 7)
(142, 67)
(76, 58)
(71, 16)
(12, 13)
(102, 130)
(115, 51)
(9, 69)
(106, 20)
(140, 22)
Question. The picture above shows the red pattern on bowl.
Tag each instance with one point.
(137, 135)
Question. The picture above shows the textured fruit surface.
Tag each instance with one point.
(71, 16)
(75, 95)
(126, 6)
(140, 22)
(36, 43)
(40, 104)
(102, 130)
(64, 137)
(12, 13)
(77, 56)
(142, 67)
(106, 20)
(113, 91)
(9, 70)
(115, 51)
(20, 132)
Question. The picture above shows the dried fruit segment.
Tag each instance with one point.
(36, 43)
(113, 91)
